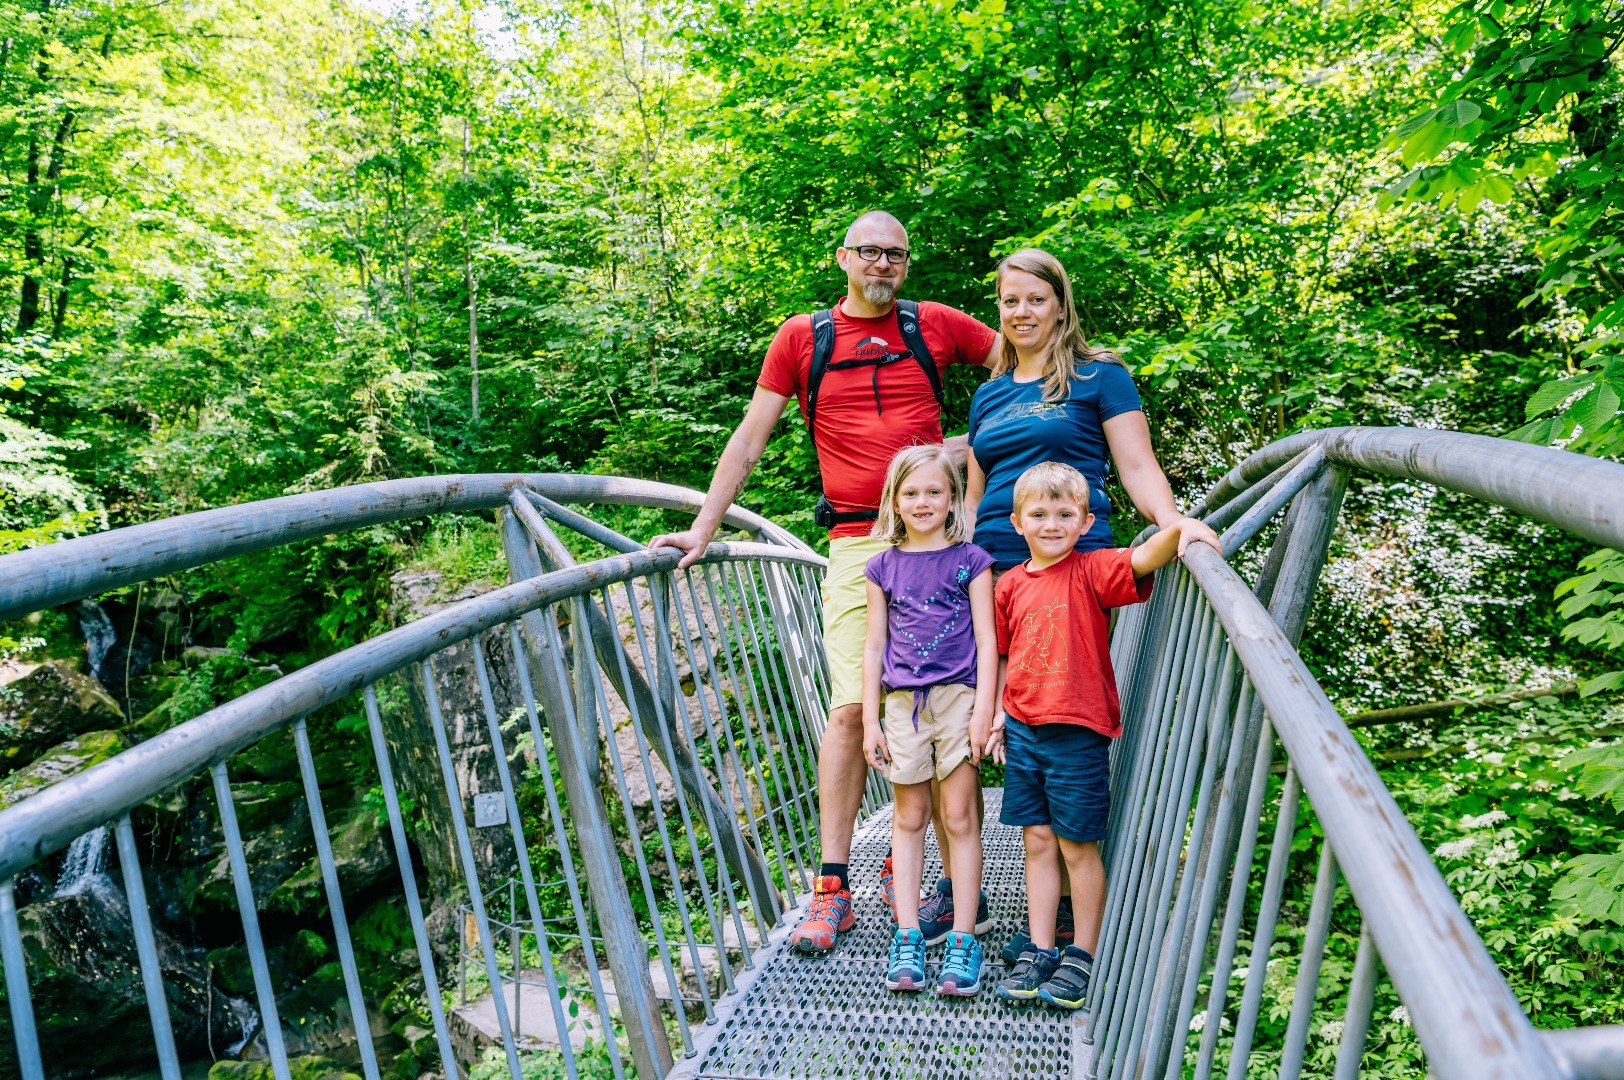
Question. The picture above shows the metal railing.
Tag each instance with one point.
(1213, 691)
(659, 728)
(704, 688)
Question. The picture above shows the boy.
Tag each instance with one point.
(1059, 693)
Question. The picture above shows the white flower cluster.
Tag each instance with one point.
(1454, 849)
(1501, 854)
(1401, 1014)
(1331, 1031)
(1483, 821)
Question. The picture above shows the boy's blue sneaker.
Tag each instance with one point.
(961, 966)
(1032, 969)
(907, 968)
(1068, 986)
(1065, 932)
(936, 913)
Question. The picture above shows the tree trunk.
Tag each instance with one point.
(472, 284)
(40, 192)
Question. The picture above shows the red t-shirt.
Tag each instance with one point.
(855, 440)
(1053, 626)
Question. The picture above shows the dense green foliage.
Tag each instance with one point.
(254, 248)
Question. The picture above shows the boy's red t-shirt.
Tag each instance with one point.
(1053, 624)
(865, 417)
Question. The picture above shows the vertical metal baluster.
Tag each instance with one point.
(1274, 882)
(668, 661)
(1139, 860)
(1211, 877)
(1125, 853)
(18, 999)
(1168, 838)
(1235, 904)
(146, 949)
(783, 747)
(1319, 928)
(763, 898)
(713, 903)
(1356, 1019)
(591, 703)
(335, 900)
(818, 657)
(787, 617)
(561, 838)
(470, 869)
(807, 720)
(270, 1023)
(662, 826)
(527, 874)
(408, 879)
(1169, 971)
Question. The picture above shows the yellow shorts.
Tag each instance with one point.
(845, 615)
(942, 742)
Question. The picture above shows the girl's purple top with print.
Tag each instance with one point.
(932, 640)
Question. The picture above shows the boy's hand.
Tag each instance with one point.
(995, 746)
(1193, 529)
(876, 751)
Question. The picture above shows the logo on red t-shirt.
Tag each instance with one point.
(871, 348)
(1042, 645)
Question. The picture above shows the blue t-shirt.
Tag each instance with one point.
(1012, 428)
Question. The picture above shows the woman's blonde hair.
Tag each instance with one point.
(1069, 347)
(889, 525)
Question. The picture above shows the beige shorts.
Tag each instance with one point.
(845, 615)
(942, 742)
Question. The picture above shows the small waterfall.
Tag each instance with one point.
(247, 1018)
(100, 637)
(85, 864)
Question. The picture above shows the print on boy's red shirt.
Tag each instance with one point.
(855, 439)
(1054, 626)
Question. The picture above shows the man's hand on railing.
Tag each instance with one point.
(691, 541)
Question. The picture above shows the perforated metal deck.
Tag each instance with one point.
(802, 1017)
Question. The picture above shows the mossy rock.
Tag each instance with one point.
(233, 972)
(60, 762)
(305, 951)
(47, 704)
(313, 1067)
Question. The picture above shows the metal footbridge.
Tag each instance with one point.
(647, 740)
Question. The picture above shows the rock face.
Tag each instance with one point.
(46, 704)
(85, 977)
(58, 763)
(410, 734)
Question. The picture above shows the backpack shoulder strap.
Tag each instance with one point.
(823, 347)
(914, 338)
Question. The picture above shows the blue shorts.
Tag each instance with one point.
(1057, 775)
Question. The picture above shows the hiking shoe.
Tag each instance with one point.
(1032, 969)
(888, 890)
(936, 913)
(907, 968)
(1068, 986)
(961, 966)
(1065, 933)
(829, 916)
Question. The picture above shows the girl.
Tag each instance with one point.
(930, 643)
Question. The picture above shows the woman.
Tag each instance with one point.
(1054, 397)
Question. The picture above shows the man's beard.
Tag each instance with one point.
(879, 292)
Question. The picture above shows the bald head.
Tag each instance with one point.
(877, 220)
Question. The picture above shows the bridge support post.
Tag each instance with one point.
(624, 945)
(1286, 584)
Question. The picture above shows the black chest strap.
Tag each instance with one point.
(823, 347)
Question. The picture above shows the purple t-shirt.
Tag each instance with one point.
(932, 640)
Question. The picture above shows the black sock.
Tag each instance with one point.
(835, 870)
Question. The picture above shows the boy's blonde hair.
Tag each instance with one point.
(1054, 480)
(889, 526)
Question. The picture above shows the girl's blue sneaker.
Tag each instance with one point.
(907, 968)
(961, 966)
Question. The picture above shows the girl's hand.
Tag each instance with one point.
(876, 752)
(980, 737)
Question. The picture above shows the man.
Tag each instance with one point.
(874, 398)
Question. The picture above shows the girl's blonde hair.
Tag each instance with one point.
(1069, 348)
(889, 525)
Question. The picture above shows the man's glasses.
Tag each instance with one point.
(870, 253)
